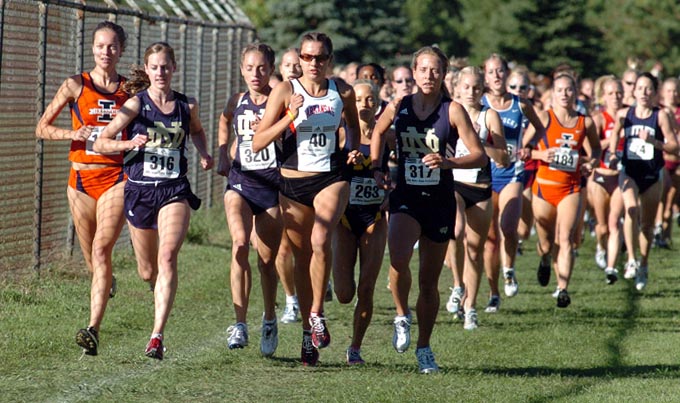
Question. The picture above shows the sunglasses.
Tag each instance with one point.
(521, 87)
(319, 58)
(407, 80)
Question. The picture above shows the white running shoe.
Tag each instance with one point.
(426, 363)
(471, 320)
(453, 304)
(402, 333)
(601, 258)
(631, 270)
(238, 336)
(556, 293)
(270, 337)
(290, 313)
(611, 275)
(494, 304)
(641, 278)
(511, 284)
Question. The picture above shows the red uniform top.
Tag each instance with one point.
(95, 108)
(569, 141)
(605, 134)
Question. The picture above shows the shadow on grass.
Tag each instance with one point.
(648, 371)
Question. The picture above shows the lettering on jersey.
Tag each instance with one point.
(244, 124)
(567, 141)
(509, 122)
(319, 109)
(106, 111)
(636, 129)
(161, 136)
(416, 144)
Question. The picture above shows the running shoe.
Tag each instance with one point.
(426, 363)
(631, 270)
(641, 278)
(601, 258)
(520, 249)
(238, 336)
(155, 349)
(320, 336)
(563, 299)
(309, 355)
(494, 304)
(511, 284)
(329, 293)
(270, 337)
(611, 274)
(453, 304)
(88, 339)
(290, 313)
(114, 287)
(401, 339)
(471, 320)
(354, 356)
(556, 293)
(543, 273)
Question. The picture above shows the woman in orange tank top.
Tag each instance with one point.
(95, 190)
(556, 201)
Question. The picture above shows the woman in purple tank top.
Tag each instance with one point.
(158, 197)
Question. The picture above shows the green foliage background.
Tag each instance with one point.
(596, 36)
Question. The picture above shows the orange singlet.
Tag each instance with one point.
(95, 108)
(564, 171)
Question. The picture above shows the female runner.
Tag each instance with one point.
(421, 206)
(307, 113)
(96, 181)
(158, 197)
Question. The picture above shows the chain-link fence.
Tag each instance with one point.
(42, 43)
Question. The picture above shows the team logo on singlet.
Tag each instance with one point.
(162, 136)
(567, 140)
(105, 112)
(415, 143)
(319, 109)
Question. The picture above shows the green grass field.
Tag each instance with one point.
(612, 344)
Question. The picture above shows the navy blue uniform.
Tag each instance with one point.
(641, 161)
(423, 193)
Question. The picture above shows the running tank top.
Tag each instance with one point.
(364, 191)
(95, 108)
(511, 118)
(569, 141)
(639, 156)
(310, 144)
(415, 139)
(163, 157)
(474, 175)
(253, 167)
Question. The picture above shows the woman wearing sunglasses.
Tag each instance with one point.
(306, 113)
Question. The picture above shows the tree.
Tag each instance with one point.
(435, 22)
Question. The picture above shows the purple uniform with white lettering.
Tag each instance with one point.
(641, 161)
(255, 176)
(157, 171)
(423, 193)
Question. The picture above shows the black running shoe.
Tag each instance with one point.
(114, 287)
(563, 299)
(88, 339)
(543, 274)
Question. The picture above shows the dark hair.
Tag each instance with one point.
(263, 48)
(139, 80)
(654, 80)
(121, 36)
(443, 61)
(379, 71)
(318, 37)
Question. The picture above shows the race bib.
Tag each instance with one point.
(511, 146)
(89, 143)
(251, 161)
(565, 159)
(418, 174)
(161, 163)
(365, 192)
(639, 149)
(315, 145)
